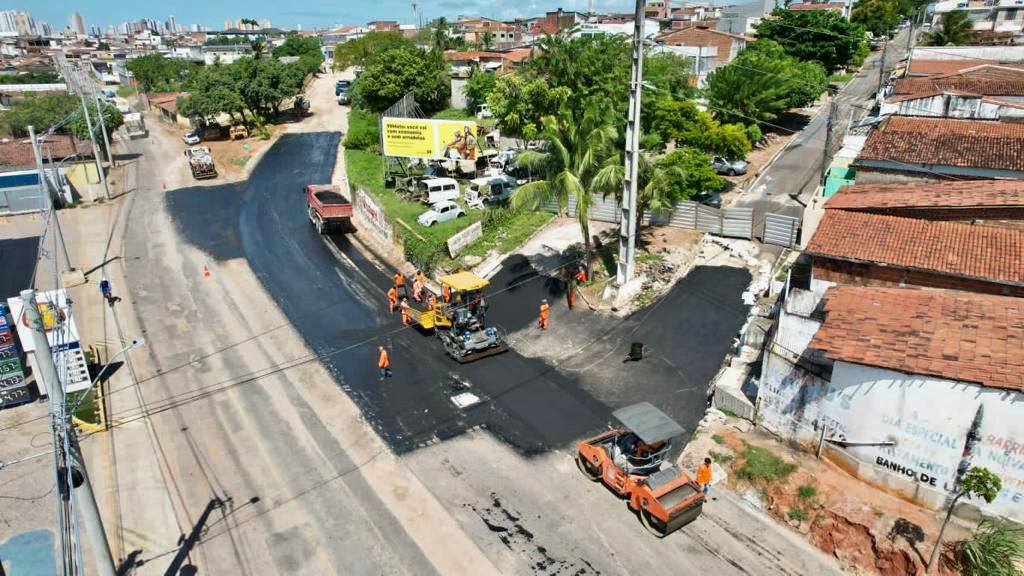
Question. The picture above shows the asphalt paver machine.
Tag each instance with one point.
(461, 323)
(631, 459)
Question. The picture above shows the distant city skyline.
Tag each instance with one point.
(103, 13)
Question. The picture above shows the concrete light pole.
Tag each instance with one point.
(628, 220)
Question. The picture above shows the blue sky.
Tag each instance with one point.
(310, 13)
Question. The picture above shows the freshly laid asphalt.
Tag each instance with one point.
(335, 298)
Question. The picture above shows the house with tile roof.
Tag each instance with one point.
(987, 91)
(908, 387)
(927, 148)
(722, 46)
(980, 202)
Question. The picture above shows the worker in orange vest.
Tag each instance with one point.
(431, 300)
(392, 299)
(704, 476)
(417, 289)
(421, 277)
(574, 283)
(543, 321)
(400, 284)
(581, 275)
(446, 293)
(405, 312)
(383, 363)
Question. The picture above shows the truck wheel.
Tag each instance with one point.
(652, 524)
(586, 468)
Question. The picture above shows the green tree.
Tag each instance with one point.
(479, 87)
(487, 40)
(995, 549)
(443, 39)
(823, 36)
(655, 182)
(112, 120)
(520, 104)
(157, 73)
(41, 112)
(698, 176)
(103, 46)
(680, 121)
(594, 68)
(879, 17)
(42, 77)
(264, 84)
(295, 45)
(213, 91)
(398, 71)
(578, 148)
(359, 51)
(761, 83)
(259, 48)
(670, 74)
(978, 482)
(956, 29)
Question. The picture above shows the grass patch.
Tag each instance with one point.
(720, 457)
(463, 114)
(718, 439)
(645, 258)
(727, 412)
(797, 514)
(240, 161)
(841, 78)
(995, 549)
(763, 465)
(126, 91)
(806, 492)
(516, 228)
(86, 411)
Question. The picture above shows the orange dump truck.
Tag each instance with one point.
(328, 208)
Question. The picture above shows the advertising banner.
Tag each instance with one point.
(429, 139)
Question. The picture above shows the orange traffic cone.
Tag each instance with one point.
(206, 271)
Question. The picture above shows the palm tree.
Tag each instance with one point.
(577, 150)
(442, 41)
(956, 29)
(653, 183)
(487, 41)
(259, 48)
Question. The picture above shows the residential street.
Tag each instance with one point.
(797, 169)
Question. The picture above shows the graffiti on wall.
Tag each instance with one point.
(796, 402)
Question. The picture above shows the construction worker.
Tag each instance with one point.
(543, 321)
(446, 293)
(392, 299)
(400, 284)
(383, 363)
(431, 300)
(421, 277)
(405, 312)
(704, 476)
(417, 289)
(581, 275)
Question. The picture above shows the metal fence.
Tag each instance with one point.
(738, 223)
(780, 230)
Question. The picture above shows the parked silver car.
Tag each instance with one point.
(190, 138)
(734, 168)
(442, 211)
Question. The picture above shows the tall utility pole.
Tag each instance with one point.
(827, 149)
(68, 73)
(881, 71)
(103, 129)
(71, 476)
(628, 221)
(47, 200)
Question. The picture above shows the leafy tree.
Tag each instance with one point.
(41, 112)
(213, 92)
(359, 51)
(823, 36)
(682, 122)
(956, 29)
(112, 120)
(157, 73)
(479, 87)
(264, 84)
(655, 182)
(594, 68)
(978, 482)
(698, 176)
(295, 45)
(670, 74)
(443, 39)
(995, 549)
(43, 77)
(761, 83)
(102, 46)
(259, 48)
(579, 147)
(487, 40)
(520, 104)
(879, 17)
(396, 72)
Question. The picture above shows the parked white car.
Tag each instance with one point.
(484, 111)
(190, 138)
(441, 212)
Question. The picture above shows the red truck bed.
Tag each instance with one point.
(328, 207)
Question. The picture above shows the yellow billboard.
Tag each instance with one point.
(429, 139)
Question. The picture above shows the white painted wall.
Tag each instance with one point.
(927, 418)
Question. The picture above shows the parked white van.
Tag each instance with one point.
(438, 189)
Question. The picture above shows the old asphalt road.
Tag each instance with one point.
(501, 469)
(797, 170)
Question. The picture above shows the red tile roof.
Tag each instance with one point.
(935, 194)
(985, 80)
(987, 253)
(18, 152)
(948, 142)
(960, 336)
(452, 55)
(934, 67)
(817, 6)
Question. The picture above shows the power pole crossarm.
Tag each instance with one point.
(628, 222)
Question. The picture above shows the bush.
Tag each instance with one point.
(718, 438)
(994, 550)
(806, 492)
(762, 465)
(363, 131)
(424, 255)
(797, 514)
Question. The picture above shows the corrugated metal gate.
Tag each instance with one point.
(604, 209)
(738, 222)
(709, 219)
(780, 230)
